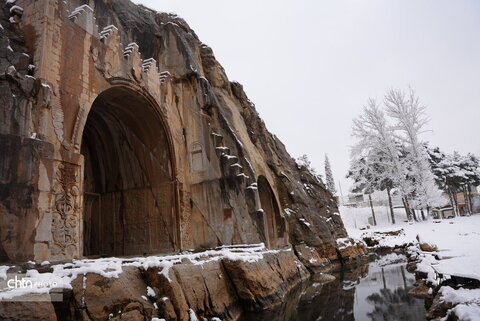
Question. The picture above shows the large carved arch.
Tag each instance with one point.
(129, 186)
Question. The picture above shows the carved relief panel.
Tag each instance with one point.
(66, 211)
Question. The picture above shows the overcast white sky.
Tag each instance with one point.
(309, 66)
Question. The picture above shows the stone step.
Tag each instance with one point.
(235, 169)
(229, 159)
(222, 150)
(217, 139)
(242, 178)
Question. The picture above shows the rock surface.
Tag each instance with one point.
(229, 180)
(306, 213)
(261, 285)
(234, 180)
(213, 286)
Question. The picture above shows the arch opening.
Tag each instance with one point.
(274, 223)
(129, 191)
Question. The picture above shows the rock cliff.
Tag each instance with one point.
(225, 180)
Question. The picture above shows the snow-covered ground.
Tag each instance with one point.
(458, 242)
(358, 218)
(457, 239)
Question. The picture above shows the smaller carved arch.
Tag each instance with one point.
(274, 222)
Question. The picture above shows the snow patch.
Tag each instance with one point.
(193, 316)
(150, 292)
(16, 9)
(451, 295)
(3, 272)
(304, 222)
(467, 312)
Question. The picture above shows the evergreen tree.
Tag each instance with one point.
(329, 177)
(454, 174)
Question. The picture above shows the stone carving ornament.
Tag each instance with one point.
(66, 211)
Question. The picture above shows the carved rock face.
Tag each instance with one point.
(151, 149)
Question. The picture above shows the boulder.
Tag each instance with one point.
(105, 298)
(438, 308)
(204, 288)
(351, 251)
(310, 257)
(264, 283)
(421, 291)
(426, 247)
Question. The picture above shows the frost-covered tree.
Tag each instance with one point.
(364, 178)
(436, 159)
(454, 174)
(304, 161)
(410, 121)
(384, 181)
(444, 167)
(376, 143)
(372, 173)
(329, 177)
(471, 166)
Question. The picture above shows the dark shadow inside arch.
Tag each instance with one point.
(129, 198)
(275, 224)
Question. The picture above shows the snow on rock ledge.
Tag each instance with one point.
(210, 283)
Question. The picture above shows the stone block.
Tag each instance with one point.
(41, 252)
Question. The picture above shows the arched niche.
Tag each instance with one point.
(129, 191)
(197, 158)
(274, 223)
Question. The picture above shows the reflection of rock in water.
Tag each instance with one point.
(315, 301)
(327, 302)
(367, 292)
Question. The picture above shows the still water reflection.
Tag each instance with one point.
(375, 292)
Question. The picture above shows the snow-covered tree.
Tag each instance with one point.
(364, 178)
(410, 121)
(329, 177)
(471, 166)
(304, 161)
(372, 173)
(376, 143)
(436, 159)
(454, 174)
